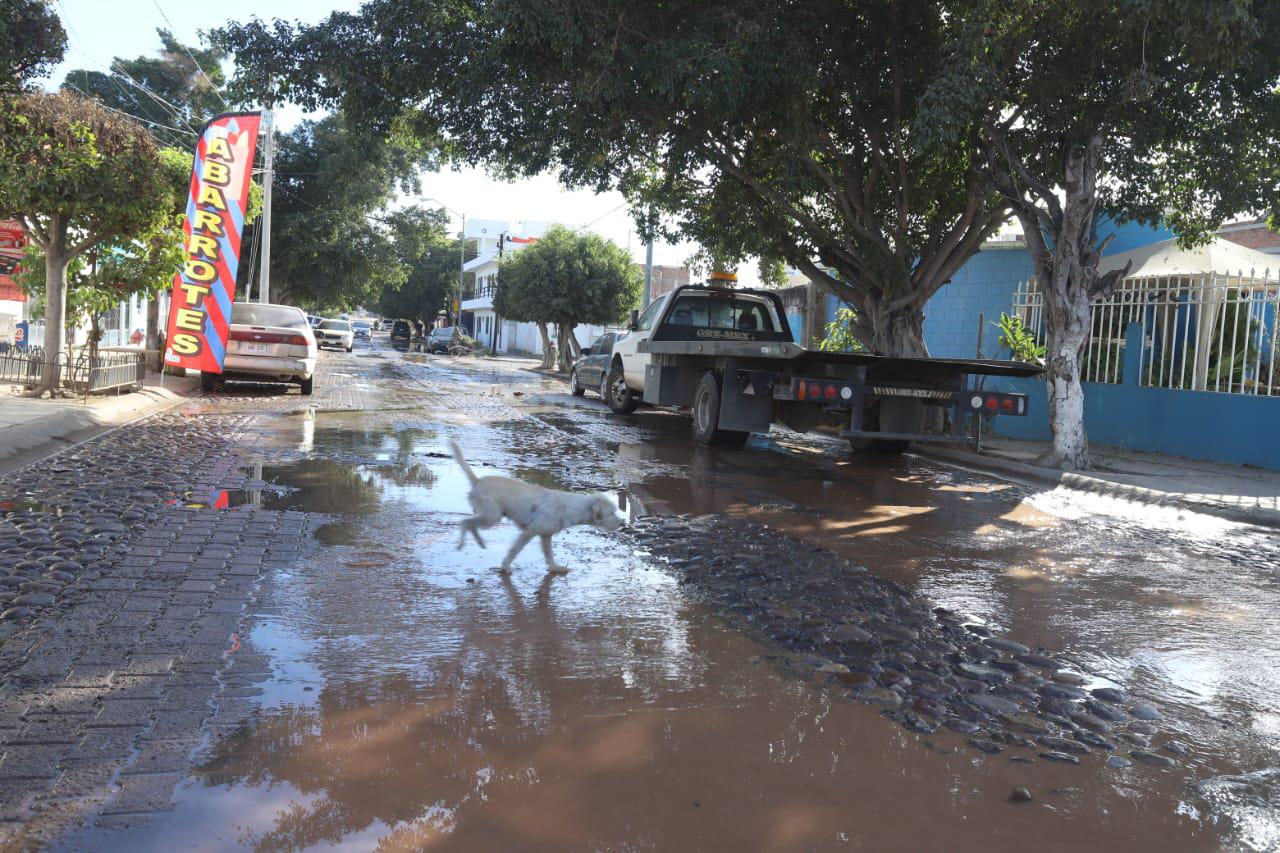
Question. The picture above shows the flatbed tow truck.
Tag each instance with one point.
(729, 356)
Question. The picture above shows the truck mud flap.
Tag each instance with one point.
(739, 411)
(670, 386)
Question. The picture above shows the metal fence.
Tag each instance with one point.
(81, 373)
(1209, 332)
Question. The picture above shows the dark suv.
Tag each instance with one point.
(401, 333)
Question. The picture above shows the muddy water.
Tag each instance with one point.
(1180, 609)
(419, 701)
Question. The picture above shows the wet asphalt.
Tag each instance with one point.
(412, 698)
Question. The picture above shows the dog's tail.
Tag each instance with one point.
(462, 460)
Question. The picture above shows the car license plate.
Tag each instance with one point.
(258, 348)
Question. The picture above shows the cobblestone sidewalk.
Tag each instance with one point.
(120, 655)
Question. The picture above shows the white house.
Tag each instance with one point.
(478, 316)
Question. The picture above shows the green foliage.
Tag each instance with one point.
(1018, 339)
(173, 76)
(781, 129)
(67, 159)
(708, 259)
(839, 334)
(335, 244)
(432, 275)
(1182, 92)
(568, 278)
(32, 42)
(773, 272)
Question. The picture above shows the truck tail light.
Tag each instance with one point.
(830, 393)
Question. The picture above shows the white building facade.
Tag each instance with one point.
(477, 314)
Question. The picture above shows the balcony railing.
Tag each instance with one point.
(484, 291)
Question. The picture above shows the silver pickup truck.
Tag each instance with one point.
(730, 357)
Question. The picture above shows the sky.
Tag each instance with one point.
(98, 30)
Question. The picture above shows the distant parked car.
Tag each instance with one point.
(401, 334)
(592, 367)
(335, 334)
(441, 339)
(362, 329)
(267, 343)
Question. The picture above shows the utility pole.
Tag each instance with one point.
(264, 276)
(462, 275)
(648, 264)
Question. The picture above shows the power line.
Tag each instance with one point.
(185, 130)
(114, 72)
(212, 85)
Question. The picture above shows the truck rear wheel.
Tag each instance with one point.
(621, 399)
(706, 416)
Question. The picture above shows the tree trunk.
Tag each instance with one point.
(548, 348)
(56, 260)
(153, 327)
(892, 331)
(568, 347)
(1066, 339)
(1070, 283)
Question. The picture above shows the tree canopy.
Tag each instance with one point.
(781, 128)
(32, 41)
(170, 92)
(77, 176)
(431, 276)
(336, 243)
(1163, 112)
(567, 279)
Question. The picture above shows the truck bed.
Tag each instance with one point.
(879, 367)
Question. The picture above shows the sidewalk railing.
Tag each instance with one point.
(1209, 332)
(82, 374)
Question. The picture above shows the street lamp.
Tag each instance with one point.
(462, 257)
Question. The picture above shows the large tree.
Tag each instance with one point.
(432, 274)
(174, 93)
(76, 176)
(780, 128)
(336, 241)
(1155, 110)
(32, 41)
(142, 264)
(567, 279)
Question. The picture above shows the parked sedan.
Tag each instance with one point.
(592, 367)
(335, 334)
(267, 343)
(439, 340)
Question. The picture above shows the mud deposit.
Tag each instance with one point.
(877, 641)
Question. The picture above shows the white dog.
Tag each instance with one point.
(537, 511)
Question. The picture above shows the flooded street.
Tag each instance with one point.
(391, 692)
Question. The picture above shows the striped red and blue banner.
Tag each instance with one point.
(200, 306)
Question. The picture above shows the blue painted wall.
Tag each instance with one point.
(986, 284)
(1233, 428)
(1236, 428)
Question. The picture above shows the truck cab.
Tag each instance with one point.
(698, 314)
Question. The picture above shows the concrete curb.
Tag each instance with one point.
(1034, 474)
(69, 425)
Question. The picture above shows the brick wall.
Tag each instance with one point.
(1255, 236)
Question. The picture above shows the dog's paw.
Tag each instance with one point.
(503, 570)
(558, 570)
